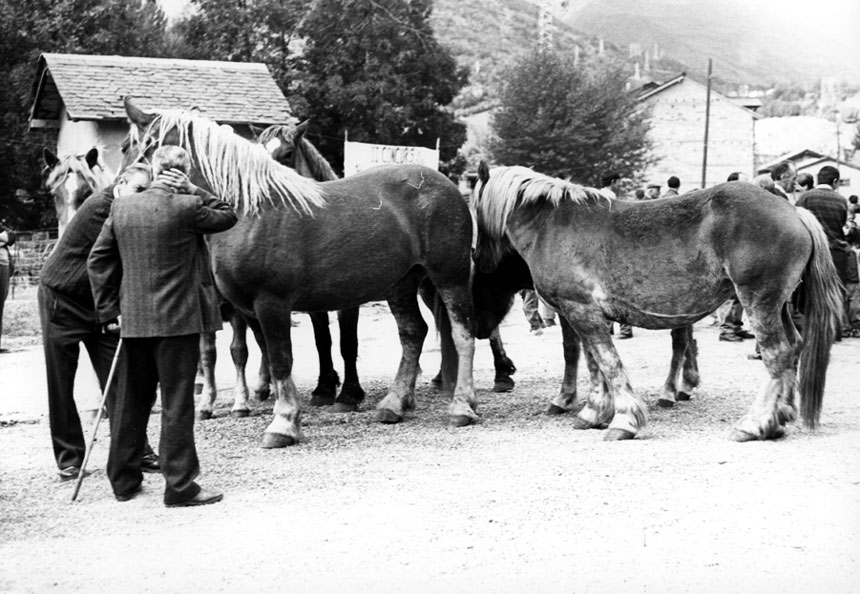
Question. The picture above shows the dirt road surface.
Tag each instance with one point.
(521, 502)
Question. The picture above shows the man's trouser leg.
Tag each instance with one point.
(64, 325)
(176, 358)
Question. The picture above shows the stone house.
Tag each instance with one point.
(677, 108)
(81, 96)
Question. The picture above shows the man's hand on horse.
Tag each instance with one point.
(177, 180)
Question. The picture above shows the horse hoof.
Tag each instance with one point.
(503, 384)
(743, 436)
(461, 420)
(553, 409)
(389, 417)
(436, 382)
(322, 399)
(240, 413)
(344, 407)
(276, 440)
(203, 415)
(579, 423)
(665, 403)
(262, 395)
(682, 397)
(618, 435)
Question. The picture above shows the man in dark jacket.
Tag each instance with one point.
(68, 317)
(831, 210)
(145, 277)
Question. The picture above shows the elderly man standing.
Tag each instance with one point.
(146, 280)
(68, 317)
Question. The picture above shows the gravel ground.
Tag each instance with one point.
(519, 503)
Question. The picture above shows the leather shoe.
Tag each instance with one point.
(754, 357)
(744, 334)
(204, 497)
(131, 494)
(730, 337)
(150, 463)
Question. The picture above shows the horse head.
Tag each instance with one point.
(288, 146)
(71, 180)
(490, 247)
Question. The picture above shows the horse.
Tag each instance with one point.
(324, 246)
(494, 296)
(71, 180)
(288, 146)
(667, 263)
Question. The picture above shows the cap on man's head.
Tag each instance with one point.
(653, 185)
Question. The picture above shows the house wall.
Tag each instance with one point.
(678, 130)
(77, 138)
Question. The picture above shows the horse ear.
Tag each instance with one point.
(257, 131)
(135, 114)
(49, 157)
(301, 129)
(92, 157)
(483, 172)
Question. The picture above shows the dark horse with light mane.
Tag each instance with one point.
(288, 146)
(665, 264)
(309, 246)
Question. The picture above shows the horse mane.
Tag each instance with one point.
(320, 169)
(76, 164)
(238, 171)
(509, 188)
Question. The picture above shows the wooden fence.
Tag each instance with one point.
(29, 254)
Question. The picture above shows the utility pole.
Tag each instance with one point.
(707, 123)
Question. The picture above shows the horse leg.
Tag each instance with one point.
(239, 354)
(351, 392)
(679, 349)
(630, 413)
(208, 356)
(505, 368)
(324, 393)
(787, 411)
(774, 404)
(566, 400)
(412, 329)
(459, 326)
(690, 368)
(274, 318)
(262, 391)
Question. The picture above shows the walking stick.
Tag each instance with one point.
(98, 420)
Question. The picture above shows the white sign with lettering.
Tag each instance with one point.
(358, 156)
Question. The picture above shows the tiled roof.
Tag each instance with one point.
(93, 87)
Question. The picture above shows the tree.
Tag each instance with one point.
(71, 26)
(244, 31)
(564, 119)
(373, 69)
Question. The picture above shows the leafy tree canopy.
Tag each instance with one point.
(569, 120)
(28, 29)
(373, 69)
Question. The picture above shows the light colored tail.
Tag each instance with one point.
(823, 309)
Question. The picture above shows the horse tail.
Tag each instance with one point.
(450, 359)
(822, 311)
